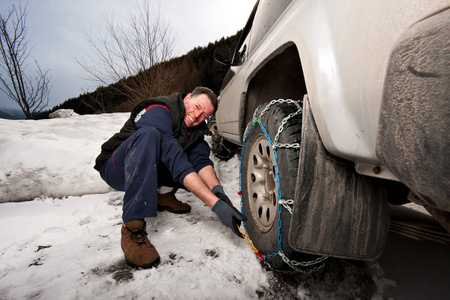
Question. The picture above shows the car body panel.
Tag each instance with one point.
(344, 48)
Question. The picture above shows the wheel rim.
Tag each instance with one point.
(262, 187)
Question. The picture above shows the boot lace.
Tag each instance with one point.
(138, 236)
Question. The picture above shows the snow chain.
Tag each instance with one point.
(295, 265)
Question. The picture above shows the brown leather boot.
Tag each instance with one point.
(138, 251)
(170, 203)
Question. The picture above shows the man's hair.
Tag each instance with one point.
(208, 92)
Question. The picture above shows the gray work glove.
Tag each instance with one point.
(227, 213)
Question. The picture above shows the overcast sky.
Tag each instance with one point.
(55, 31)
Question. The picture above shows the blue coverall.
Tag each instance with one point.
(148, 159)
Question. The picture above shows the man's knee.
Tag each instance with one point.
(147, 137)
(149, 132)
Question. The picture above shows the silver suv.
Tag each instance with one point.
(341, 109)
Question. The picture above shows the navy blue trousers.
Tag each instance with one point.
(133, 168)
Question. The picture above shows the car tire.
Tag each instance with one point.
(266, 224)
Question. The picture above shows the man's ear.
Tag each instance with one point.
(188, 96)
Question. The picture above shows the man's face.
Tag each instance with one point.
(198, 109)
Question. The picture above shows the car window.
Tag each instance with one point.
(241, 48)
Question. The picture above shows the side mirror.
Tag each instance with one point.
(223, 55)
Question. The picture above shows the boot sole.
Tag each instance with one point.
(170, 209)
(154, 263)
(146, 266)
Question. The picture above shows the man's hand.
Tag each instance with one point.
(227, 213)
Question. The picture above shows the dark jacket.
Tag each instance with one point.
(186, 137)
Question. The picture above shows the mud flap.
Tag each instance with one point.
(336, 212)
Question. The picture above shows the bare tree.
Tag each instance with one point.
(31, 93)
(126, 53)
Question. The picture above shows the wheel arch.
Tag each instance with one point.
(281, 76)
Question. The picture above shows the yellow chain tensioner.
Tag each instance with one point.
(257, 252)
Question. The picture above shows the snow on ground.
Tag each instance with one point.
(53, 157)
(64, 242)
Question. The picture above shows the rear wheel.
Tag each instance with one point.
(268, 176)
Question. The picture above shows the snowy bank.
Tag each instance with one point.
(55, 157)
